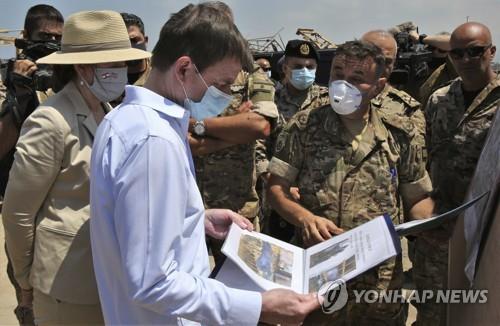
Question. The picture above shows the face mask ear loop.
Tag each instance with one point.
(199, 75)
(184, 90)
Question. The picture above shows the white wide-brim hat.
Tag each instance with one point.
(91, 37)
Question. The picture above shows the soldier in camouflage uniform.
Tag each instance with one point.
(350, 168)
(294, 95)
(392, 101)
(224, 152)
(439, 78)
(459, 117)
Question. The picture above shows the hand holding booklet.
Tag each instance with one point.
(258, 262)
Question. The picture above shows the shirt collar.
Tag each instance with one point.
(145, 97)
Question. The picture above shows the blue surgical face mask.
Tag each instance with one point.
(303, 78)
(213, 102)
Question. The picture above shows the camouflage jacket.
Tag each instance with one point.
(288, 106)
(227, 178)
(351, 187)
(439, 77)
(456, 135)
(392, 101)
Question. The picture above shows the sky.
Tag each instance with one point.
(337, 20)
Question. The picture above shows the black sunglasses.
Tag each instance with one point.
(472, 52)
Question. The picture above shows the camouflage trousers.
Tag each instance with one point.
(430, 272)
(388, 276)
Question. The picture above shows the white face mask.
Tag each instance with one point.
(345, 98)
(213, 102)
(108, 83)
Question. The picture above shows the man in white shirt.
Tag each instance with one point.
(148, 221)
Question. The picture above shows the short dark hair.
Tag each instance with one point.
(222, 6)
(362, 50)
(205, 34)
(133, 20)
(39, 13)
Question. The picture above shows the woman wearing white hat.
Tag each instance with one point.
(46, 206)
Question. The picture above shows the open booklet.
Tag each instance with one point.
(259, 262)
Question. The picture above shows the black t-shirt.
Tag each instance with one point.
(469, 96)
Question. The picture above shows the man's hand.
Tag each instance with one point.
(316, 229)
(245, 107)
(414, 36)
(206, 145)
(294, 191)
(218, 222)
(280, 306)
(24, 67)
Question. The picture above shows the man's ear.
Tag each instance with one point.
(183, 68)
(381, 84)
(493, 50)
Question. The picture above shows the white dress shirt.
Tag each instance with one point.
(147, 222)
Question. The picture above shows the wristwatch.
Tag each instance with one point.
(199, 128)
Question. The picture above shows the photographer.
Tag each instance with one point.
(26, 85)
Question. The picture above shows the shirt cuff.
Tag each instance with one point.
(283, 169)
(412, 191)
(266, 108)
(245, 307)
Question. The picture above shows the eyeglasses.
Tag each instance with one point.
(472, 52)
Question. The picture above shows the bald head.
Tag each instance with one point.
(386, 42)
(470, 32)
(472, 53)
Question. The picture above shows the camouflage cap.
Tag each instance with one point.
(301, 49)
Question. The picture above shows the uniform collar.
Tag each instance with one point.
(377, 101)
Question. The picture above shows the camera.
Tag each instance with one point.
(412, 61)
(42, 78)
